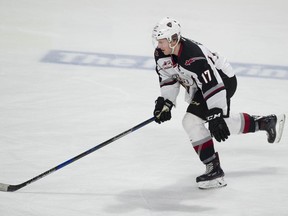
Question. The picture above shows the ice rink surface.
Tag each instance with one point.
(52, 112)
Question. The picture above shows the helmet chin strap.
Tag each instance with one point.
(173, 48)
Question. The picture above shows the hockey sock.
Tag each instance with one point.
(248, 124)
(206, 151)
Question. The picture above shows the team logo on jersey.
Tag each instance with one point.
(191, 60)
(167, 64)
(182, 81)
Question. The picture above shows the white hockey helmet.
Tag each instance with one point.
(168, 28)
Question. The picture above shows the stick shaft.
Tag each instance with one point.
(6, 187)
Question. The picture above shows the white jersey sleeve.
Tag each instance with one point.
(169, 86)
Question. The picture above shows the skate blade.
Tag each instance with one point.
(280, 127)
(215, 183)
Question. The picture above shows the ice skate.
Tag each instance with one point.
(213, 177)
(273, 125)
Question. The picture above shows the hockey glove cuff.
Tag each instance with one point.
(162, 111)
(217, 125)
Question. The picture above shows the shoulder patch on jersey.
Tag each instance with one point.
(193, 59)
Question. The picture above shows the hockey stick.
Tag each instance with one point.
(12, 188)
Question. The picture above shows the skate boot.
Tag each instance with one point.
(273, 125)
(213, 177)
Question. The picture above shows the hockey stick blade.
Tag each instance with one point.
(12, 188)
(4, 187)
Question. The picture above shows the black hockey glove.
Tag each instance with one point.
(217, 126)
(162, 110)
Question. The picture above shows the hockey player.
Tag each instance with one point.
(210, 83)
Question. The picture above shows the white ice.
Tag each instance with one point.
(51, 112)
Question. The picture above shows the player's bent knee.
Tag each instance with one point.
(190, 120)
(194, 127)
